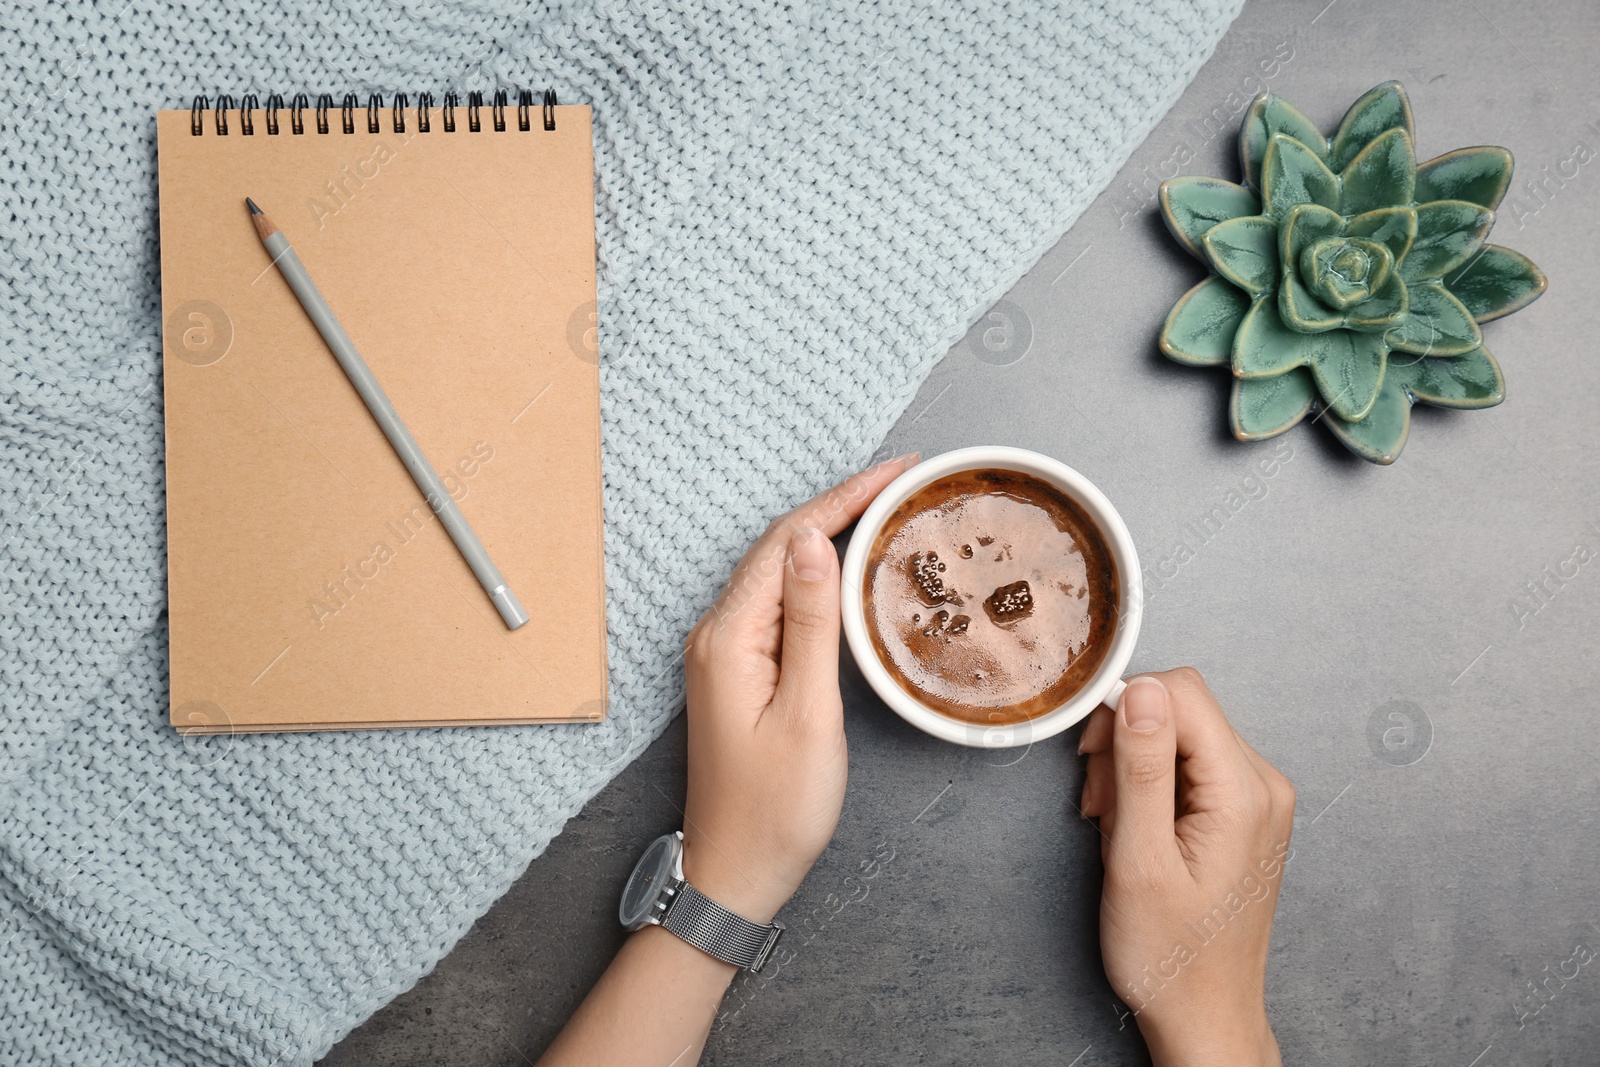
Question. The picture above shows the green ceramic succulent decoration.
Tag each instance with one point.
(1346, 275)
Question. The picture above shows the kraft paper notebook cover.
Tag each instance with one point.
(310, 585)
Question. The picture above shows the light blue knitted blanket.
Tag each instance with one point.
(800, 207)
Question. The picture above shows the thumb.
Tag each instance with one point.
(809, 675)
(1144, 749)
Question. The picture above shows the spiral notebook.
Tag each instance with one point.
(309, 584)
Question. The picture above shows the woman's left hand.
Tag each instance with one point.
(767, 760)
(766, 779)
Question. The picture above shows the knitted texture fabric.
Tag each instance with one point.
(800, 207)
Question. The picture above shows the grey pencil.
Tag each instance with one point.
(389, 421)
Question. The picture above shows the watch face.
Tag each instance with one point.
(650, 874)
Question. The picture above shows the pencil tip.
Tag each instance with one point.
(258, 219)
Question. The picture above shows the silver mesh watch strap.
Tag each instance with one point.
(716, 931)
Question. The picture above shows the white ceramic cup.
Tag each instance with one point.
(1105, 686)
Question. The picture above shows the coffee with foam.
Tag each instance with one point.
(990, 596)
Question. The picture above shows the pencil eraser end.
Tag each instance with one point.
(509, 606)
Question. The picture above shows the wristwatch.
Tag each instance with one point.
(657, 895)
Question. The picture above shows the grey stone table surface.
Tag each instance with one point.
(1441, 900)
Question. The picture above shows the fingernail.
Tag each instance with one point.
(910, 459)
(810, 554)
(1081, 738)
(1144, 705)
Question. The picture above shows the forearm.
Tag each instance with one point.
(1223, 1039)
(653, 1007)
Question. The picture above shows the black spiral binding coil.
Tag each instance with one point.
(250, 103)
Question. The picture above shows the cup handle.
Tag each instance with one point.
(1115, 694)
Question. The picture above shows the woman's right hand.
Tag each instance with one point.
(1195, 831)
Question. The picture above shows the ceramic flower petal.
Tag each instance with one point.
(1304, 225)
(1383, 174)
(1269, 115)
(1201, 326)
(1245, 251)
(1265, 346)
(1383, 310)
(1191, 206)
(1470, 380)
(1265, 407)
(1381, 109)
(1449, 232)
(1393, 227)
(1496, 282)
(1479, 175)
(1293, 174)
(1301, 311)
(1348, 369)
(1381, 435)
(1436, 324)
